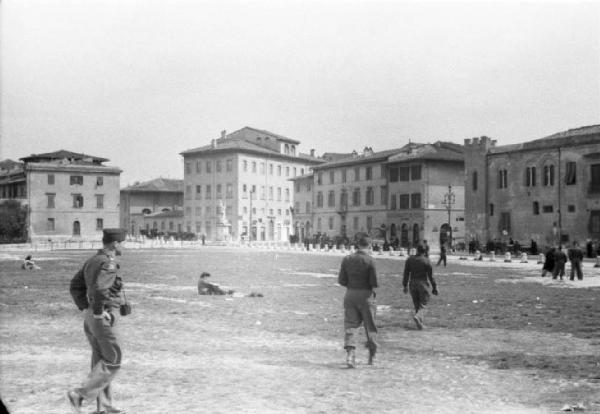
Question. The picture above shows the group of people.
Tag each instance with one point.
(556, 259)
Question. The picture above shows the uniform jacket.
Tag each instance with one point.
(575, 253)
(417, 269)
(99, 280)
(358, 271)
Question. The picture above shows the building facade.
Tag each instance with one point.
(69, 196)
(303, 207)
(247, 172)
(546, 190)
(149, 198)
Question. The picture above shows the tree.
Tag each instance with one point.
(13, 222)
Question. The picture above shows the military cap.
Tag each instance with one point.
(111, 235)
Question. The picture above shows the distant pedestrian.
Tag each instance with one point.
(576, 258)
(426, 247)
(203, 238)
(533, 248)
(96, 289)
(359, 275)
(418, 274)
(442, 255)
(29, 263)
(560, 259)
(549, 262)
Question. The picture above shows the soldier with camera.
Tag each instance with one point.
(97, 290)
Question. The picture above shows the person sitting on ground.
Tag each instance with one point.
(207, 288)
(29, 264)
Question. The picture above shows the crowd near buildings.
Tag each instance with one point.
(252, 185)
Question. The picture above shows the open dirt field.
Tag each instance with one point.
(493, 344)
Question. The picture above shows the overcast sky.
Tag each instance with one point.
(140, 81)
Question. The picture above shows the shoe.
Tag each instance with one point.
(75, 400)
(418, 322)
(350, 358)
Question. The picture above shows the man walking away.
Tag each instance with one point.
(418, 274)
(442, 255)
(576, 257)
(359, 275)
(96, 289)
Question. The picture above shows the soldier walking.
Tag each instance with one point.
(417, 276)
(96, 289)
(359, 275)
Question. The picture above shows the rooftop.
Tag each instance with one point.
(61, 155)
(157, 185)
(575, 136)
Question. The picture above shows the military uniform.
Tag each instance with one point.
(359, 275)
(576, 257)
(99, 280)
(417, 276)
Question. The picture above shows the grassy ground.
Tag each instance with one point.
(493, 343)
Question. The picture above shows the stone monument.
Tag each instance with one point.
(223, 225)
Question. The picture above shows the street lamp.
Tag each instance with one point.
(448, 202)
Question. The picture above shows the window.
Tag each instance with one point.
(208, 166)
(404, 173)
(219, 191)
(319, 199)
(415, 200)
(331, 199)
(502, 178)
(571, 173)
(330, 223)
(548, 209)
(208, 193)
(355, 223)
(548, 175)
(263, 192)
(271, 169)
(50, 224)
(356, 197)
(99, 200)
(76, 180)
(229, 165)
(571, 208)
(99, 181)
(51, 198)
(393, 175)
(504, 222)
(344, 200)
(474, 180)
(279, 194)
(77, 201)
(245, 165)
(279, 170)
(297, 207)
(229, 190)
(530, 177)
(319, 223)
(368, 173)
(207, 211)
(331, 177)
(99, 224)
(344, 171)
(307, 207)
(198, 167)
(253, 166)
(50, 179)
(415, 172)
(287, 171)
(188, 168)
(383, 195)
(595, 178)
(369, 223)
(393, 199)
(218, 166)
(370, 196)
(301, 171)
(294, 172)
(171, 226)
(491, 209)
(271, 192)
(262, 168)
(188, 192)
(357, 174)
(198, 211)
(287, 194)
(188, 211)
(198, 226)
(404, 201)
(198, 192)
(319, 178)
(536, 208)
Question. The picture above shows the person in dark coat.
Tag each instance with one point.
(549, 262)
(418, 274)
(359, 276)
(560, 259)
(442, 255)
(576, 258)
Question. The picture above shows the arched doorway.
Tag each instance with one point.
(307, 229)
(404, 235)
(393, 230)
(445, 234)
(76, 228)
(415, 234)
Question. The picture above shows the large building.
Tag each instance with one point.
(546, 190)
(69, 196)
(247, 173)
(141, 201)
(400, 193)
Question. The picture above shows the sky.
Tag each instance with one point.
(139, 81)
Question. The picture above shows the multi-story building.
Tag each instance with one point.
(426, 187)
(148, 198)
(163, 223)
(303, 206)
(68, 195)
(247, 172)
(546, 190)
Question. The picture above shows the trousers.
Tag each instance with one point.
(420, 295)
(359, 309)
(576, 267)
(106, 358)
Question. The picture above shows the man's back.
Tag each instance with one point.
(358, 271)
(417, 269)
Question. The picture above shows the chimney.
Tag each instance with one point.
(312, 152)
(223, 134)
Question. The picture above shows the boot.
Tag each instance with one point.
(372, 351)
(350, 357)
